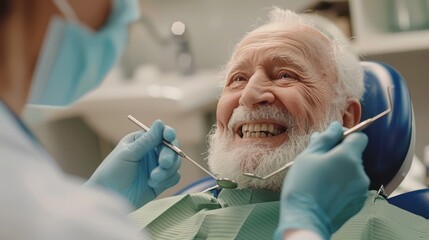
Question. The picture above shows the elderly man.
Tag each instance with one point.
(286, 81)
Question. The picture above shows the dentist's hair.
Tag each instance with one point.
(4, 9)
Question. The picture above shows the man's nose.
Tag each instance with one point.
(258, 91)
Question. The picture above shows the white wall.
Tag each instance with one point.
(214, 26)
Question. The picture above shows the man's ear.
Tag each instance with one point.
(352, 114)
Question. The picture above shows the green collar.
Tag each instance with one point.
(233, 197)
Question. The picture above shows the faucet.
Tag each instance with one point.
(184, 58)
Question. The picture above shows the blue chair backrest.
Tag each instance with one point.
(416, 202)
(390, 149)
(388, 156)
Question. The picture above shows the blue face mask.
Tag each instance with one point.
(74, 59)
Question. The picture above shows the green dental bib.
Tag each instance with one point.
(253, 214)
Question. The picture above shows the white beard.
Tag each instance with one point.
(229, 161)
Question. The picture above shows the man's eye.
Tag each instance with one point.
(286, 75)
(239, 78)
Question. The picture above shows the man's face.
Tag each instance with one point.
(290, 69)
(279, 87)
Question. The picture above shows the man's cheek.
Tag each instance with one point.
(223, 114)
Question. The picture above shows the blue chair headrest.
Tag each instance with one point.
(388, 156)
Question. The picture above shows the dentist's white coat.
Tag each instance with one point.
(39, 201)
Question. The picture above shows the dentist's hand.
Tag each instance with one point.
(326, 178)
(140, 167)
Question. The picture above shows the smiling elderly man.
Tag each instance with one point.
(286, 81)
(284, 72)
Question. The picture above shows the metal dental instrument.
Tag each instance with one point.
(252, 175)
(362, 125)
(221, 182)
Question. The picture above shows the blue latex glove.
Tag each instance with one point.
(325, 179)
(140, 167)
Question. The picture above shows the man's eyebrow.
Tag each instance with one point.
(289, 61)
(238, 65)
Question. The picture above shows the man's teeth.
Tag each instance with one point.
(260, 130)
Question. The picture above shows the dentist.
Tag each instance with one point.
(52, 53)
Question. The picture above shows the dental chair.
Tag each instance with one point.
(390, 150)
(389, 154)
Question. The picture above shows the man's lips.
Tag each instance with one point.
(260, 129)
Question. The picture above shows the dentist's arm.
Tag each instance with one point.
(326, 178)
(141, 166)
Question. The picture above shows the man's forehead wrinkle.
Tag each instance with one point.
(302, 48)
(241, 61)
(292, 56)
(285, 60)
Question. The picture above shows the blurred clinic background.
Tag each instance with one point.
(172, 70)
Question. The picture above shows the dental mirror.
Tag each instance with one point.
(362, 125)
(221, 182)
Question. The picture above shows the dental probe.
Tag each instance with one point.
(252, 175)
(222, 182)
(362, 125)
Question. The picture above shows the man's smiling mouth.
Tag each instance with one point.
(258, 130)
